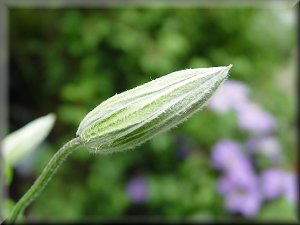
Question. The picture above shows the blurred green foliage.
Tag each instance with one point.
(67, 61)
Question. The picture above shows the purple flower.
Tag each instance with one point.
(268, 146)
(232, 95)
(241, 195)
(254, 119)
(226, 154)
(137, 189)
(272, 183)
(290, 190)
(239, 184)
(243, 176)
(244, 201)
(276, 182)
(224, 185)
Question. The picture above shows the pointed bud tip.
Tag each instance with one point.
(227, 68)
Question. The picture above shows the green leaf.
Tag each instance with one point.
(279, 209)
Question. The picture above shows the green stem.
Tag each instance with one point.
(44, 178)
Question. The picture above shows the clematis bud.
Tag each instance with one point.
(22, 142)
(135, 116)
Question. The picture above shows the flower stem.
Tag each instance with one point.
(44, 178)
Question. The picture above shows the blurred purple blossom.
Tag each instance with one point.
(137, 189)
(268, 146)
(239, 183)
(244, 201)
(241, 195)
(254, 119)
(276, 182)
(226, 154)
(272, 184)
(242, 176)
(290, 187)
(231, 95)
(234, 95)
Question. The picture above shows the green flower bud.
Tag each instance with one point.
(22, 142)
(135, 116)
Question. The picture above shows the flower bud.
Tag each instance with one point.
(130, 118)
(19, 144)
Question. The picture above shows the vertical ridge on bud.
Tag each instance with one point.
(135, 116)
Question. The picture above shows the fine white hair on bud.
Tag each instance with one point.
(128, 119)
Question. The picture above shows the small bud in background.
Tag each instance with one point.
(20, 143)
(127, 120)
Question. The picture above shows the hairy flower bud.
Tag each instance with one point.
(19, 144)
(135, 116)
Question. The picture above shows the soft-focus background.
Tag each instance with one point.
(236, 159)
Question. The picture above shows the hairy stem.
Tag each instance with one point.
(44, 178)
